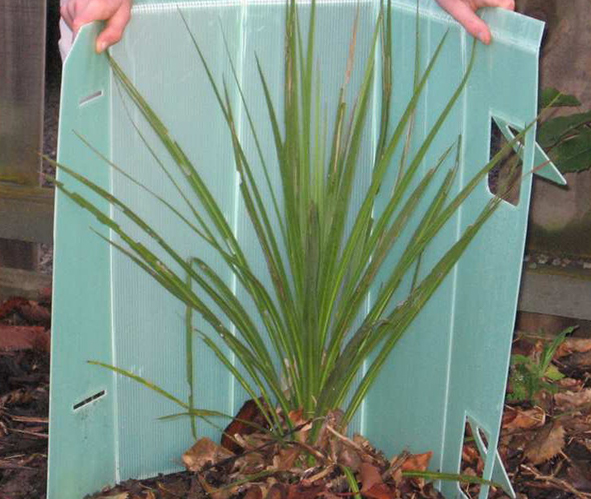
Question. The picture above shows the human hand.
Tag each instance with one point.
(116, 13)
(464, 11)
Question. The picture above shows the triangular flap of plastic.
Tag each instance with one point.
(543, 165)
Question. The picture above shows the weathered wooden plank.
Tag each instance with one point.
(25, 283)
(26, 214)
(563, 294)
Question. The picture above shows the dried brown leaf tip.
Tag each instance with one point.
(573, 345)
(516, 419)
(204, 452)
(548, 443)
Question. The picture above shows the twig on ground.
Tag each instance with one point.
(556, 482)
(27, 419)
(32, 433)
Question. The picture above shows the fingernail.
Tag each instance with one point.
(101, 47)
(483, 37)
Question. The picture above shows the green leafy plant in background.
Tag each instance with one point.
(566, 139)
(321, 268)
(534, 374)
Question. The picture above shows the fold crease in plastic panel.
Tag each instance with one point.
(450, 369)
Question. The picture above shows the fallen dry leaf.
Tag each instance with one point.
(23, 338)
(33, 312)
(325, 437)
(364, 444)
(573, 400)
(213, 492)
(578, 423)
(286, 458)
(379, 491)
(11, 305)
(250, 463)
(417, 462)
(394, 470)
(28, 309)
(470, 455)
(296, 417)
(326, 470)
(350, 458)
(369, 475)
(277, 491)
(516, 419)
(248, 413)
(172, 489)
(204, 452)
(328, 495)
(571, 384)
(548, 442)
(579, 479)
(254, 492)
(573, 345)
(298, 491)
(580, 360)
(298, 420)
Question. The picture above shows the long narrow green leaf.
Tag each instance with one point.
(261, 361)
(355, 296)
(141, 381)
(364, 214)
(406, 313)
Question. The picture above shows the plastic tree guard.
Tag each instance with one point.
(451, 367)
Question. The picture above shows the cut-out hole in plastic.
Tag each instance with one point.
(91, 97)
(483, 438)
(504, 180)
(88, 400)
(472, 461)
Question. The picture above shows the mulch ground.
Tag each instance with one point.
(24, 398)
(546, 442)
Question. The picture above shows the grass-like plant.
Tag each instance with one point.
(322, 259)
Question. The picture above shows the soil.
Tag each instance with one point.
(24, 407)
(24, 398)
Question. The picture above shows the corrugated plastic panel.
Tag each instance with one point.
(451, 367)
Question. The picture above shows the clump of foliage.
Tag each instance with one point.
(530, 375)
(566, 139)
(321, 269)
